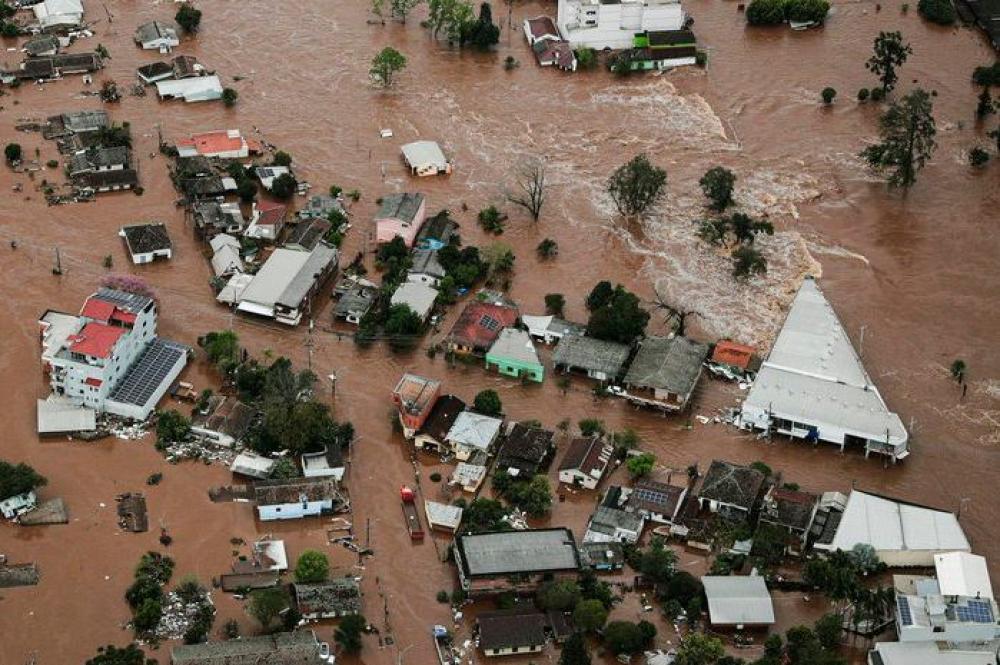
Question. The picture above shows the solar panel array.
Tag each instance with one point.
(649, 496)
(130, 302)
(148, 373)
(489, 322)
(975, 611)
(905, 615)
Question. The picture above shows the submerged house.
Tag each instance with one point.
(513, 354)
(266, 221)
(664, 49)
(599, 25)
(792, 511)
(511, 632)
(731, 490)
(525, 450)
(400, 215)
(157, 36)
(433, 435)
(555, 53)
(738, 601)
(147, 242)
(550, 329)
(425, 158)
(601, 360)
(337, 597)
(300, 647)
(420, 298)
(226, 255)
(58, 15)
(664, 372)
(515, 561)
(471, 433)
(296, 498)
(212, 217)
(284, 286)
(354, 301)
(586, 461)
(479, 326)
(814, 387)
(194, 89)
(99, 158)
(222, 144)
(41, 45)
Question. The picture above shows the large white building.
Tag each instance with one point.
(109, 358)
(613, 24)
(814, 387)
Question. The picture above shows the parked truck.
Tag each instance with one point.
(410, 513)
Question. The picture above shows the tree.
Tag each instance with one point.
(147, 616)
(590, 615)
(482, 33)
(586, 58)
(957, 369)
(17, 479)
(554, 304)
(222, 349)
(533, 497)
(889, 52)
(627, 637)
(937, 11)
(658, 563)
(284, 186)
(312, 566)
(172, 427)
(281, 158)
(386, 64)
(403, 327)
(348, 633)
(637, 185)
(641, 465)
(684, 587)
(112, 655)
(574, 651)
(452, 16)
(745, 228)
(717, 184)
(907, 131)
(529, 187)
(400, 8)
(590, 427)
(229, 96)
(621, 319)
(246, 190)
(829, 628)
(600, 295)
(265, 605)
(13, 152)
(978, 157)
(487, 402)
(765, 12)
(547, 248)
(699, 649)
(748, 262)
(188, 18)
(561, 595)
(806, 11)
(491, 219)
(482, 515)
(499, 260)
(984, 105)
(828, 94)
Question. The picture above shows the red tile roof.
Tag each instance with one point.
(97, 309)
(731, 353)
(211, 143)
(541, 26)
(270, 213)
(480, 324)
(96, 339)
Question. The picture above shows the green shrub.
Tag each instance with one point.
(937, 11)
(863, 95)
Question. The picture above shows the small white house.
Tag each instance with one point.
(13, 507)
(294, 499)
(586, 461)
(418, 297)
(147, 242)
(425, 158)
(197, 89)
(473, 432)
(252, 465)
(157, 36)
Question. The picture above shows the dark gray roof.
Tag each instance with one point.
(298, 648)
(322, 259)
(425, 262)
(524, 449)
(504, 629)
(98, 157)
(307, 233)
(113, 178)
(403, 207)
(605, 520)
(148, 32)
(341, 596)
(41, 44)
(591, 354)
(155, 69)
(143, 238)
(321, 205)
(655, 497)
(593, 555)
(667, 363)
(130, 302)
(438, 228)
(530, 551)
(84, 121)
(442, 417)
(789, 508)
(149, 372)
(358, 300)
(732, 484)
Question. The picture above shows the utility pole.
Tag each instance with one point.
(310, 344)
(58, 269)
(333, 386)
(861, 343)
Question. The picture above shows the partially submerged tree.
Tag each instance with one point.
(908, 131)
(641, 465)
(620, 318)
(348, 633)
(12, 153)
(889, 52)
(717, 184)
(312, 566)
(188, 18)
(487, 402)
(937, 11)
(636, 186)
(748, 262)
(266, 605)
(400, 8)
(547, 248)
(554, 304)
(229, 97)
(529, 188)
(385, 65)
(451, 16)
(699, 649)
(18, 479)
(482, 33)
(574, 651)
(112, 655)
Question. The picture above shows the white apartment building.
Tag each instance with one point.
(613, 24)
(109, 358)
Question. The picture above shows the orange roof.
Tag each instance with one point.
(211, 143)
(731, 353)
(102, 310)
(96, 339)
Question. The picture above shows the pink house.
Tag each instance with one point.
(400, 215)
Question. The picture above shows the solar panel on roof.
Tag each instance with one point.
(976, 611)
(905, 616)
(148, 373)
(489, 322)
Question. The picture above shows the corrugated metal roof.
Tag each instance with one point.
(738, 600)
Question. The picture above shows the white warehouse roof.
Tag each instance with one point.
(963, 574)
(738, 600)
(893, 528)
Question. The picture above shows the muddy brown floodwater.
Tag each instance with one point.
(918, 272)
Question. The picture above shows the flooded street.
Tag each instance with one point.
(917, 273)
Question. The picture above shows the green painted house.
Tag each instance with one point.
(513, 354)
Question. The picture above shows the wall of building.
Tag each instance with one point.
(291, 511)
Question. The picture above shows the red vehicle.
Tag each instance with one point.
(410, 513)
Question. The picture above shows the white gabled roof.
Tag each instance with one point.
(889, 525)
(963, 574)
(474, 430)
(738, 600)
(813, 375)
